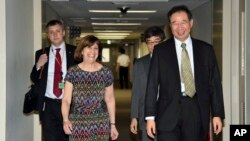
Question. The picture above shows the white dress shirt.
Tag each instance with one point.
(52, 56)
(189, 47)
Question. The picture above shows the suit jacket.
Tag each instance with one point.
(42, 83)
(164, 72)
(140, 75)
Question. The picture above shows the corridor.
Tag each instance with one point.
(123, 115)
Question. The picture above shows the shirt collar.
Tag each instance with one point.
(178, 43)
(61, 46)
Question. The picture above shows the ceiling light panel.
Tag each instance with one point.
(121, 19)
(128, 0)
(118, 11)
(118, 24)
(114, 27)
(59, 0)
(107, 35)
(111, 34)
(114, 31)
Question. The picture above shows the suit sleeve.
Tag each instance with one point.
(152, 84)
(217, 104)
(34, 76)
(135, 92)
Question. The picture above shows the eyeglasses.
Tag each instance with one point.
(153, 42)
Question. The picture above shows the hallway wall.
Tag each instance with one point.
(2, 71)
(202, 28)
(19, 56)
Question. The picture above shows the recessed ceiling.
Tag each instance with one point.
(77, 13)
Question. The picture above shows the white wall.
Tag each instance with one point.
(226, 68)
(19, 56)
(37, 44)
(247, 58)
(2, 70)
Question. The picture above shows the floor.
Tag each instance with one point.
(123, 115)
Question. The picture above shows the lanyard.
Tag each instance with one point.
(57, 61)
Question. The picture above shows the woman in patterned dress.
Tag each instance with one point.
(88, 105)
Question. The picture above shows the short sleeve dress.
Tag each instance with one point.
(88, 111)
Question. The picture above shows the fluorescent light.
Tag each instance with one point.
(141, 11)
(112, 34)
(118, 11)
(127, 19)
(59, 0)
(128, 0)
(114, 31)
(111, 37)
(114, 27)
(107, 35)
(120, 24)
(104, 11)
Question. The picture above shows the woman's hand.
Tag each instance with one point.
(114, 133)
(67, 127)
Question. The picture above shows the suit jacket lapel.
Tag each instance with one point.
(69, 56)
(174, 59)
(147, 63)
(197, 55)
(46, 66)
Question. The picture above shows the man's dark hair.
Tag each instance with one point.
(154, 31)
(180, 8)
(122, 50)
(54, 22)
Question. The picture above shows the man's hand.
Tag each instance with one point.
(217, 125)
(151, 128)
(42, 60)
(133, 126)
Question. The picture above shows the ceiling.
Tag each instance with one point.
(77, 13)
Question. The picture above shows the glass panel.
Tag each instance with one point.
(105, 55)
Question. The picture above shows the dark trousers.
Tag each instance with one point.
(123, 77)
(52, 122)
(189, 125)
(144, 136)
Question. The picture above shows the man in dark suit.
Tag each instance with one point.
(53, 61)
(178, 113)
(152, 36)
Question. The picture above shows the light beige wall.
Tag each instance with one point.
(3, 70)
(37, 44)
(19, 61)
(226, 67)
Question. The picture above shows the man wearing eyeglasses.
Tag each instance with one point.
(152, 36)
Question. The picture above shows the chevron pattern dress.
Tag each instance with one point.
(88, 111)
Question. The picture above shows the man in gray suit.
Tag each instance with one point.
(152, 36)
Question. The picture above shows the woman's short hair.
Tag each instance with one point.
(87, 41)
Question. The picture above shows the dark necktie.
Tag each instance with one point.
(186, 72)
(57, 74)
